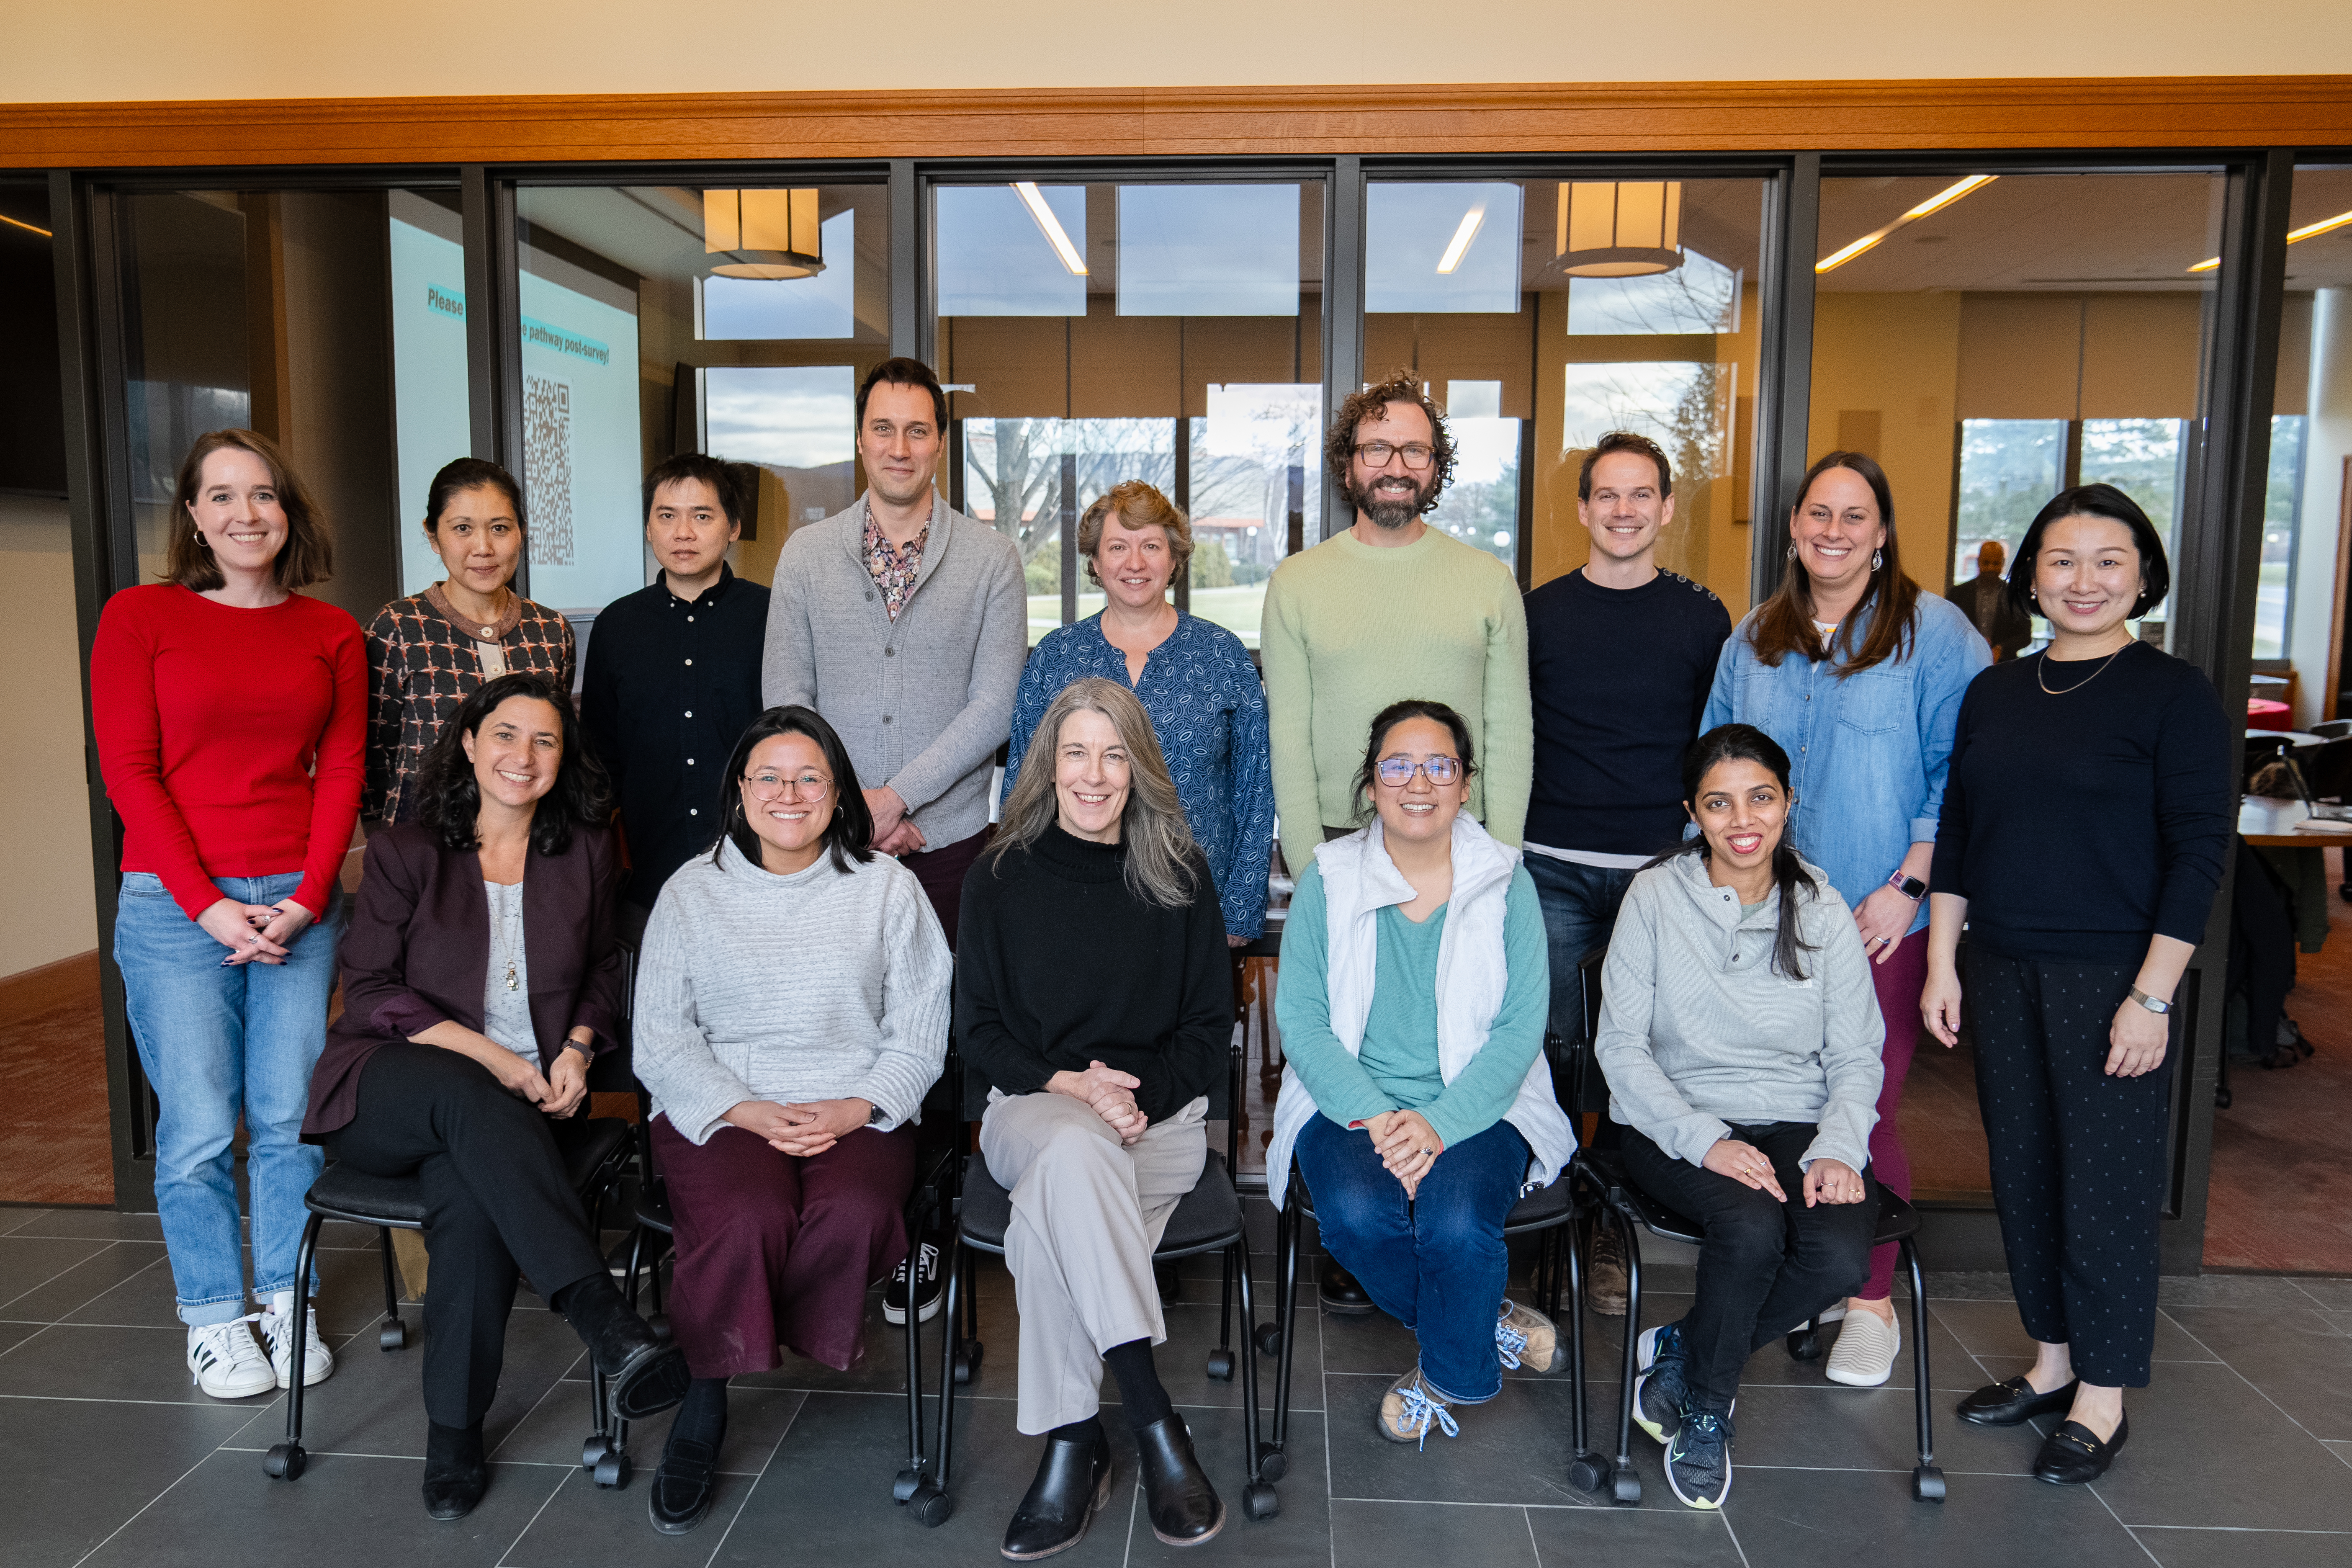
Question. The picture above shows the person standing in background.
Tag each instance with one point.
(1619, 659)
(427, 653)
(904, 624)
(1986, 600)
(1858, 675)
(229, 712)
(1390, 609)
(674, 677)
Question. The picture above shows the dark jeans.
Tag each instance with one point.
(1765, 1267)
(1580, 910)
(1436, 1264)
(498, 1205)
(2078, 1158)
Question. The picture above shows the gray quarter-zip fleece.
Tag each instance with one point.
(1698, 1029)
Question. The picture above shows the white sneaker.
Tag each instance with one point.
(1863, 1356)
(277, 1333)
(225, 1362)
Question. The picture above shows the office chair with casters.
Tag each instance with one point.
(1208, 1219)
(1601, 1174)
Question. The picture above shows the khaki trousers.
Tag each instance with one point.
(1087, 1214)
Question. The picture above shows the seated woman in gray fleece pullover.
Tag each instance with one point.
(1740, 1036)
(792, 1011)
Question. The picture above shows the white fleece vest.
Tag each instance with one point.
(1358, 881)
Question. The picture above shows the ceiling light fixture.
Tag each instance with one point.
(1935, 203)
(764, 233)
(19, 223)
(1055, 235)
(2295, 236)
(1461, 238)
(1616, 229)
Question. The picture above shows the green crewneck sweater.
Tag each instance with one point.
(1351, 628)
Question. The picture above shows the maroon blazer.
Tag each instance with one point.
(418, 950)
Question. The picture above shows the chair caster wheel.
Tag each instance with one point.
(1589, 1472)
(1627, 1487)
(1928, 1484)
(613, 1472)
(906, 1484)
(1805, 1344)
(593, 1449)
(392, 1336)
(1273, 1464)
(931, 1506)
(967, 1365)
(659, 1324)
(1261, 1501)
(284, 1462)
(1269, 1338)
(1221, 1364)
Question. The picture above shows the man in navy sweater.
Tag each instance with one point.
(1620, 657)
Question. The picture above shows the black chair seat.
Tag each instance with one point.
(1207, 1220)
(345, 1193)
(1541, 1209)
(1896, 1218)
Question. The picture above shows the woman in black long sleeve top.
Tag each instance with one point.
(2081, 842)
(1094, 993)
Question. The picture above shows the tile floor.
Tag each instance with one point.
(2241, 1449)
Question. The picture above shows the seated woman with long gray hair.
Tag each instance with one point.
(1094, 994)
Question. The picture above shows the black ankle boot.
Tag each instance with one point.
(687, 1480)
(644, 1375)
(455, 1475)
(1073, 1485)
(1184, 1508)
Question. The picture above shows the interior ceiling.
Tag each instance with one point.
(655, 231)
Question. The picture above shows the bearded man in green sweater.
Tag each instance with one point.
(1391, 609)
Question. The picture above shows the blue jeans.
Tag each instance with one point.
(1580, 910)
(1436, 1265)
(217, 1042)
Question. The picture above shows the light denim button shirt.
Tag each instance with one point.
(1207, 711)
(1867, 754)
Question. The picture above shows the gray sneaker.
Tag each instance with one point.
(1660, 1386)
(1698, 1461)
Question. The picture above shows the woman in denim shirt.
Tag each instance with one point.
(1858, 675)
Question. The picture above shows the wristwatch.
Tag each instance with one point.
(2148, 1002)
(1910, 887)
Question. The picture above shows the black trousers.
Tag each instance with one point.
(2078, 1158)
(497, 1207)
(1764, 1267)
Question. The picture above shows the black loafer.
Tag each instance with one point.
(2007, 1403)
(1337, 1289)
(456, 1476)
(1073, 1485)
(1184, 1508)
(683, 1487)
(2074, 1454)
(646, 1376)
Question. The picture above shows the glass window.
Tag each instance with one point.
(331, 321)
(1543, 314)
(2300, 602)
(1172, 333)
(664, 318)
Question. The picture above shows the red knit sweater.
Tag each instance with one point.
(230, 739)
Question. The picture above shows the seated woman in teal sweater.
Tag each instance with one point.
(1416, 980)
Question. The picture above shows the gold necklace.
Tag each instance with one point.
(2040, 677)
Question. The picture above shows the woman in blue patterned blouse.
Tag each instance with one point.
(1194, 678)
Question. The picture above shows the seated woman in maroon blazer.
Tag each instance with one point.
(480, 975)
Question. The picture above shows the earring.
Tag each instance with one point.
(1876, 560)
(1792, 549)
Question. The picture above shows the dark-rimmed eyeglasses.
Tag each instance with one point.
(1397, 772)
(1376, 454)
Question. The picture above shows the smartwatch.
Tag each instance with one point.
(1910, 887)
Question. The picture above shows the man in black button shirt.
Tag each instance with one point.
(674, 675)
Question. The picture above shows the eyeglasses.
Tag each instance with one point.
(1397, 772)
(1376, 454)
(769, 784)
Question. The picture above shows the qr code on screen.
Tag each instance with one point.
(546, 468)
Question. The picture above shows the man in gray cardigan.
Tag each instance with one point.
(904, 624)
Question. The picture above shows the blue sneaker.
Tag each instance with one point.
(1659, 1385)
(1698, 1461)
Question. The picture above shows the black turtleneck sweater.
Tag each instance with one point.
(1059, 966)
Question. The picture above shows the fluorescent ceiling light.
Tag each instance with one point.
(1462, 237)
(1034, 200)
(1933, 204)
(2295, 236)
(44, 234)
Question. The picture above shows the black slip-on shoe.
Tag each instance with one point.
(455, 1475)
(1338, 1292)
(1072, 1486)
(1184, 1509)
(2073, 1454)
(2013, 1400)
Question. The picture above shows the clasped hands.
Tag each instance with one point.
(559, 1093)
(895, 832)
(1826, 1180)
(1407, 1144)
(1109, 1093)
(802, 1128)
(253, 933)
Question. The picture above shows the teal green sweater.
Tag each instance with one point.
(1397, 1069)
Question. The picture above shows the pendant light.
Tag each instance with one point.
(762, 234)
(1617, 228)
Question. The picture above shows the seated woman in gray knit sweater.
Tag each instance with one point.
(792, 1012)
(1740, 1036)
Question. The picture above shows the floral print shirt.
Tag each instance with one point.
(894, 567)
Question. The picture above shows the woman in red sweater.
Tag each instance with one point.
(230, 713)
